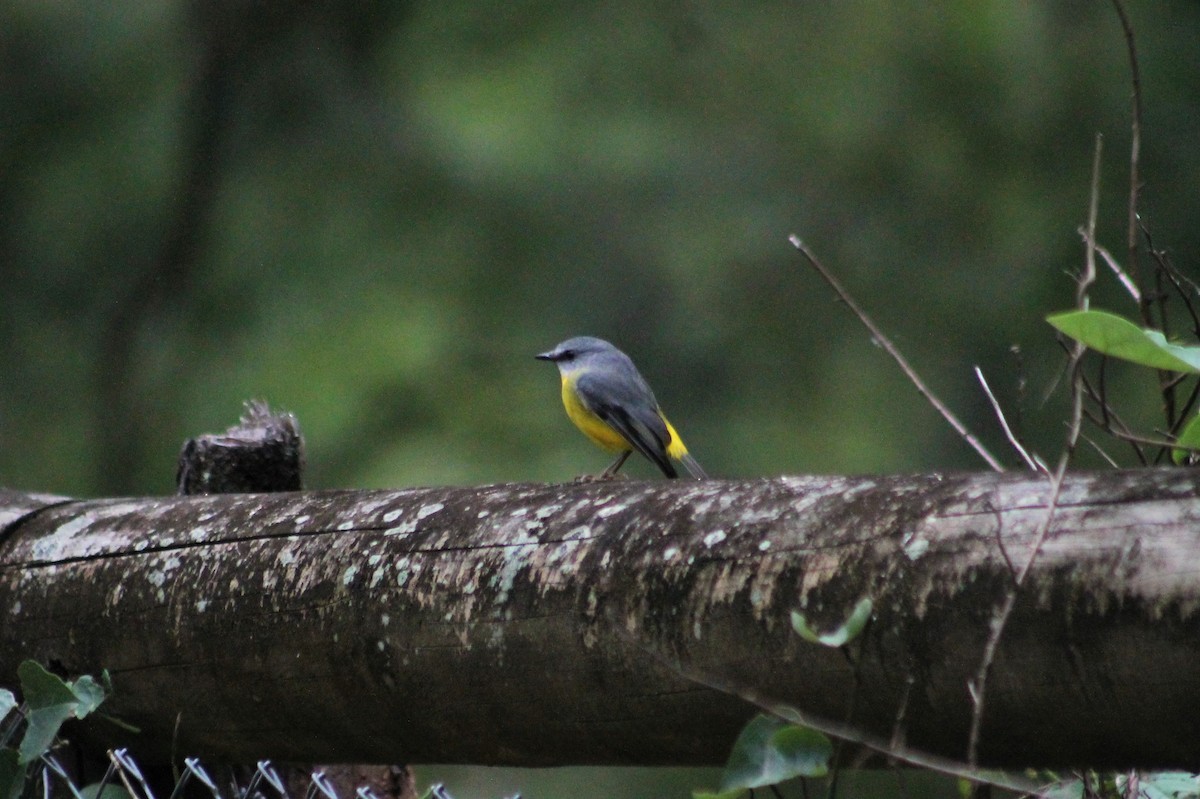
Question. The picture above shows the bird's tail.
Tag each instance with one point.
(694, 468)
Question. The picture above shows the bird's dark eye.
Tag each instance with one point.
(567, 355)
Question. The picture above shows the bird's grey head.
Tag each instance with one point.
(573, 351)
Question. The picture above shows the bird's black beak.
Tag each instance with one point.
(552, 355)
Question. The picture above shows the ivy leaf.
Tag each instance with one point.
(842, 634)
(7, 703)
(770, 750)
(1189, 437)
(89, 694)
(51, 702)
(1188, 354)
(40, 688)
(1169, 785)
(43, 726)
(1116, 336)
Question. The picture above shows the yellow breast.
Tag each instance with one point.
(592, 425)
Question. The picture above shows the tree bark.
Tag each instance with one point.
(538, 624)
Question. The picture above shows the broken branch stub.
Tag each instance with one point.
(536, 624)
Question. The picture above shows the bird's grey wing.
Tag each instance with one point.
(628, 407)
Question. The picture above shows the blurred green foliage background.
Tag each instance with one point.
(374, 213)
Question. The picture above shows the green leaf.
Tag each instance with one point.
(40, 688)
(1168, 785)
(50, 701)
(7, 703)
(1116, 336)
(1188, 354)
(43, 726)
(111, 791)
(839, 636)
(770, 750)
(1189, 436)
(89, 693)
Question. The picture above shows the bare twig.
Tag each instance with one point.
(1110, 421)
(1012, 439)
(1112, 424)
(1122, 433)
(1135, 146)
(1122, 276)
(1167, 386)
(1088, 277)
(891, 350)
(855, 661)
(1133, 784)
(1100, 451)
(1185, 412)
(1101, 394)
(836, 729)
(1012, 570)
(898, 733)
(1164, 263)
(1187, 290)
(978, 686)
(1184, 286)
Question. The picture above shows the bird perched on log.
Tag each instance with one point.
(609, 400)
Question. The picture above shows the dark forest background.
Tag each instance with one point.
(374, 214)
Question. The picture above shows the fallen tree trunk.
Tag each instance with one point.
(536, 624)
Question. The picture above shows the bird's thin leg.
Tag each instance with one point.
(612, 468)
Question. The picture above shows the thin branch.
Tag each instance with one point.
(1088, 277)
(1179, 281)
(891, 350)
(1012, 439)
(1167, 389)
(1186, 411)
(978, 686)
(898, 734)
(1135, 146)
(1012, 570)
(1100, 451)
(836, 729)
(1122, 276)
(1101, 397)
(839, 744)
(1133, 785)
(1123, 434)
(1185, 289)
(1112, 424)
(1110, 421)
